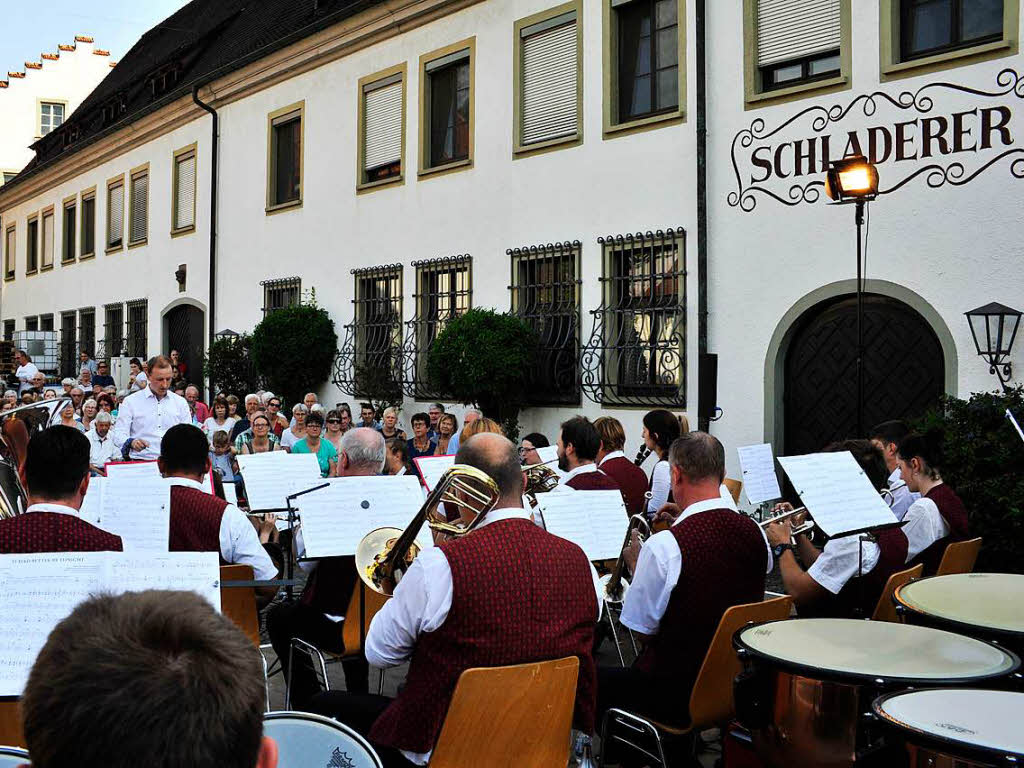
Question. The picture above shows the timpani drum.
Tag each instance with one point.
(956, 727)
(989, 606)
(807, 684)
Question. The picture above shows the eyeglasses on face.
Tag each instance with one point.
(334, 421)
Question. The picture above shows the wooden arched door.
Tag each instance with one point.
(904, 370)
(184, 332)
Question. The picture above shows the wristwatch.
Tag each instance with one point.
(778, 549)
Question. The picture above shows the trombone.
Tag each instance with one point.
(615, 585)
(384, 554)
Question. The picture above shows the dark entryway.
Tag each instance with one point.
(183, 327)
(904, 370)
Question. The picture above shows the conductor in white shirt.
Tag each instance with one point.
(145, 416)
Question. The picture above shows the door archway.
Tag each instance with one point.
(184, 328)
(904, 369)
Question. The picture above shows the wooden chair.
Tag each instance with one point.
(510, 716)
(352, 634)
(734, 486)
(959, 557)
(711, 700)
(885, 610)
(239, 605)
(11, 732)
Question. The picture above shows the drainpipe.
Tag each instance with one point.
(700, 15)
(212, 312)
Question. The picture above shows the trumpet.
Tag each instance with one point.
(614, 584)
(384, 554)
(802, 528)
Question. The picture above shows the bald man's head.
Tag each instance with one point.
(497, 456)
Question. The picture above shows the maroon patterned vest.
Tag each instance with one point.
(632, 482)
(724, 559)
(53, 532)
(520, 595)
(593, 481)
(195, 521)
(859, 596)
(955, 515)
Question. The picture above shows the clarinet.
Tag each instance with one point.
(642, 454)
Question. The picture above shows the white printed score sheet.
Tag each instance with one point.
(432, 468)
(271, 477)
(837, 493)
(136, 505)
(336, 518)
(37, 591)
(594, 520)
(760, 482)
(549, 456)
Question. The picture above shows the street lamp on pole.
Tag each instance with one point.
(855, 180)
(994, 328)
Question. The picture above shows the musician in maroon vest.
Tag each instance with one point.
(507, 593)
(838, 580)
(684, 579)
(55, 476)
(936, 519)
(613, 462)
(330, 581)
(202, 522)
(578, 444)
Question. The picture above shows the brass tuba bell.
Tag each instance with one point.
(16, 428)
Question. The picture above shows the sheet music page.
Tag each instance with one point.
(92, 504)
(549, 455)
(137, 506)
(38, 591)
(433, 468)
(183, 571)
(270, 477)
(336, 518)
(760, 482)
(231, 494)
(595, 520)
(836, 492)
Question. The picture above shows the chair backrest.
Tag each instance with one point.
(372, 602)
(959, 557)
(886, 609)
(711, 701)
(734, 486)
(305, 740)
(11, 732)
(510, 716)
(239, 603)
(12, 757)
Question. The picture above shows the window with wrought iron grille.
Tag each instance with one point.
(444, 290)
(32, 323)
(113, 331)
(370, 357)
(138, 328)
(636, 354)
(8, 330)
(68, 344)
(278, 294)
(46, 322)
(545, 293)
(87, 330)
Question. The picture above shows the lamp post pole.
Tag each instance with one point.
(859, 218)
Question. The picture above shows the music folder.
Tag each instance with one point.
(596, 521)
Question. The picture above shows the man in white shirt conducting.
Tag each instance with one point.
(145, 416)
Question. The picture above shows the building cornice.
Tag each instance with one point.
(348, 36)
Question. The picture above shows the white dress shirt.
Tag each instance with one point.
(658, 569)
(421, 603)
(582, 469)
(838, 562)
(923, 525)
(142, 416)
(661, 484)
(612, 455)
(239, 542)
(902, 498)
(25, 373)
(102, 449)
(62, 509)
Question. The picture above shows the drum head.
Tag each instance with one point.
(872, 651)
(989, 600)
(968, 721)
(306, 740)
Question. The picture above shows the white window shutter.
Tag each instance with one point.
(793, 29)
(382, 113)
(139, 212)
(550, 77)
(115, 215)
(184, 204)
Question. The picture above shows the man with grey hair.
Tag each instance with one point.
(471, 415)
(252, 404)
(67, 383)
(102, 447)
(434, 412)
(317, 616)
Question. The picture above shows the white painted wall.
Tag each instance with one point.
(71, 78)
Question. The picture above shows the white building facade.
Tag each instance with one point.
(414, 159)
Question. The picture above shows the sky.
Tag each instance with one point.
(28, 29)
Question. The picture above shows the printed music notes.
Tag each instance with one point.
(432, 468)
(837, 493)
(137, 506)
(37, 591)
(335, 518)
(92, 504)
(595, 520)
(759, 479)
(270, 477)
